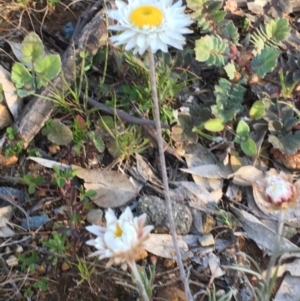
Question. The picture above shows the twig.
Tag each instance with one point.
(165, 177)
(11, 281)
(123, 115)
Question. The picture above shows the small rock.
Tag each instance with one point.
(41, 269)
(65, 266)
(19, 249)
(53, 149)
(12, 261)
(208, 222)
(169, 263)
(156, 212)
(6, 212)
(68, 30)
(95, 217)
(6, 231)
(206, 240)
(35, 222)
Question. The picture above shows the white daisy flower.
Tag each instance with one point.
(122, 239)
(153, 24)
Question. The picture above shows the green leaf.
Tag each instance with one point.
(31, 188)
(257, 110)
(21, 76)
(278, 29)
(265, 62)
(242, 129)
(32, 48)
(230, 32)
(47, 68)
(214, 125)
(211, 50)
(97, 141)
(287, 144)
(271, 35)
(248, 147)
(58, 133)
(230, 70)
(90, 193)
(229, 97)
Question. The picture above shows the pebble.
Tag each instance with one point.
(12, 261)
(65, 266)
(206, 240)
(169, 263)
(95, 216)
(19, 249)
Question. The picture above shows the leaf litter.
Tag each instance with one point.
(203, 195)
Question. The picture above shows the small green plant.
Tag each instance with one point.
(225, 218)
(41, 284)
(85, 196)
(72, 214)
(52, 3)
(29, 262)
(84, 270)
(243, 139)
(57, 245)
(11, 133)
(148, 279)
(123, 142)
(15, 146)
(63, 176)
(35, 69)
(282, 124)
(212, 295)
(263, 289)
(32, 182)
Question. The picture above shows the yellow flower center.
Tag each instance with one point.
(118, 231)
(146, 16)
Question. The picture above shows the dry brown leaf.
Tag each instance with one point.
(5, 117)
(260, 233)
(212, 171)
(246, 175)
(113, 188)
(162, 245)
(13, 101)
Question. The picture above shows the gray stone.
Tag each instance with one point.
(156, 212)
(35, 222)
(95, 217)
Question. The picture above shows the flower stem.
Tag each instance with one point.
(138, 280)
(274, 254)
(164, 175)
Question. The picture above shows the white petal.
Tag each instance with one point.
(141, 40)
(126, 215)
(97, 230)
(114, 14)
(110, 216)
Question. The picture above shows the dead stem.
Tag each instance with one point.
(165, 177)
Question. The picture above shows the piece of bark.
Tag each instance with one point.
(39, 109)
